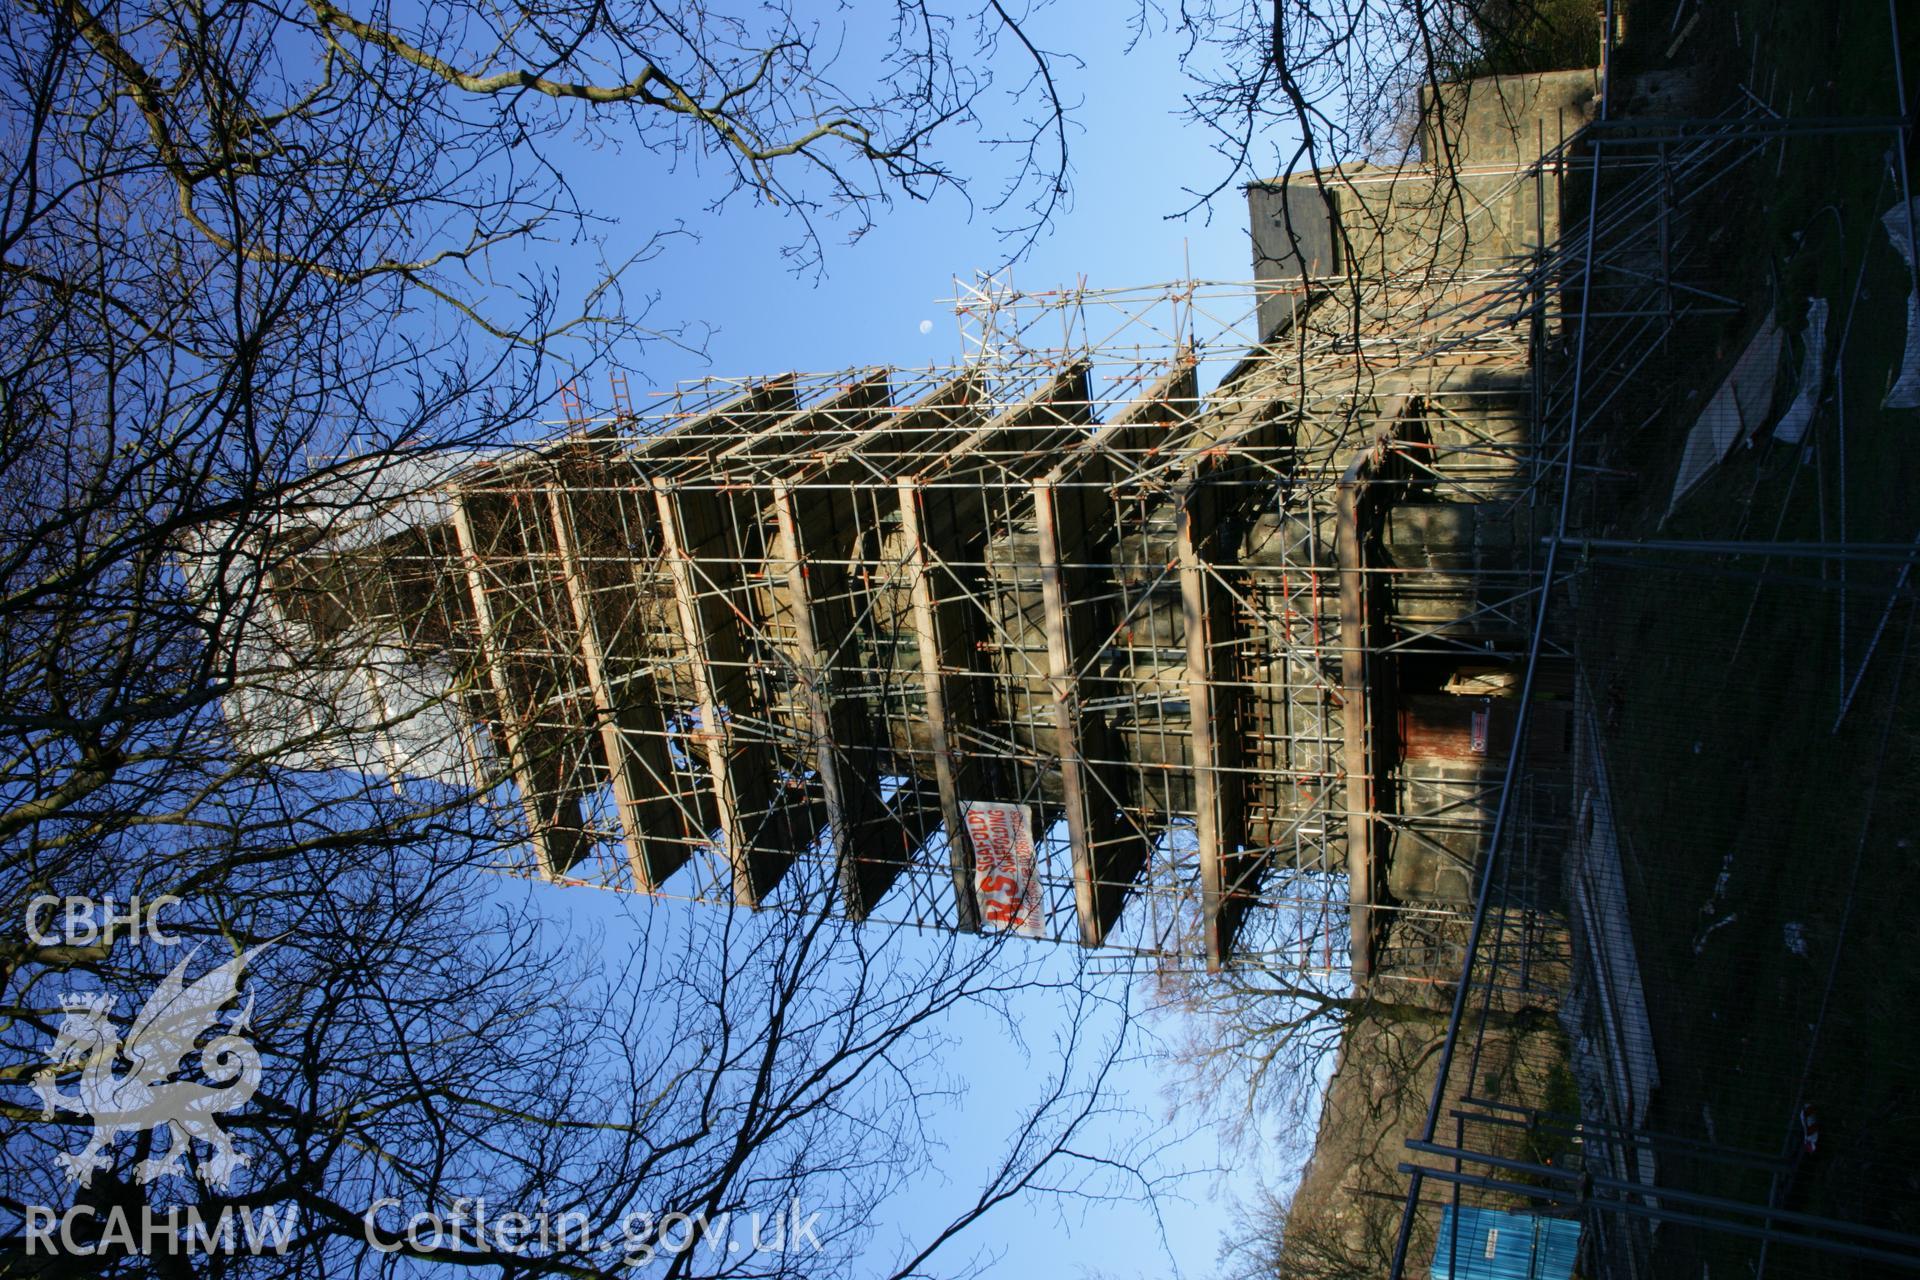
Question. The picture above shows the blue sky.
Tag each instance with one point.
(1131, 158)
(1074, 1238)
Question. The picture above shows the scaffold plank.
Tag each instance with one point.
(630, 728)
(554, 825)
(1076, 521)
(1354, 642)
(773, 446)
(1154, 416)
(1211, 625)
(1062, 403)
(870, 847)
(947, 411)
(761, 828)
(756, 411)
(1109, 849)
(941, 645)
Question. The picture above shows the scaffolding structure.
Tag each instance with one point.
(1230, 589)
(1241, 651)
(1557, 931)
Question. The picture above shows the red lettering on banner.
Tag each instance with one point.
(1006, 877)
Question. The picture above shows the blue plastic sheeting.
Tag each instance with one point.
(1491, 1245)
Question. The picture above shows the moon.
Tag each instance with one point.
(926, 326)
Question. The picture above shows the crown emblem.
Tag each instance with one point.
(95, 1002)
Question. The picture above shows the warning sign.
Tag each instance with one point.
(1006, 878)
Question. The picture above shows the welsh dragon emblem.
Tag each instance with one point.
(157, 1045)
